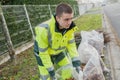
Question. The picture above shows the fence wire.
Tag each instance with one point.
(3, 45)
(17, 24)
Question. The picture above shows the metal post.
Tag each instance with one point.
(50, 10)
(29, 21)
(74, 10)
(7, 36)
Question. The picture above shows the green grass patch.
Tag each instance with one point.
(95, 9)
(89, 22)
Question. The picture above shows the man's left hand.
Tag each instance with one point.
(78, 69)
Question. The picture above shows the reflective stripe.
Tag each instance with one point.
(38, 59)
(71, 41)
(75, 59)
(64, 67)
(44, 77)
(50, 69)
(49, 38)
(42, 49)
(44, 25)
(49, 34)
(36, 54)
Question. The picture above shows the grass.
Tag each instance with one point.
(25, 65)
(23, 68)
(89, 22)
(94, 9)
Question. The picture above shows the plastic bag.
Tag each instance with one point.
(93, 38)
(77, 76)
(85, 52)
(92, 70)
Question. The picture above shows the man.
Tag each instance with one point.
(53, 39)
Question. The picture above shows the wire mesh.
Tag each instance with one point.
(17, 24)
(3, 45)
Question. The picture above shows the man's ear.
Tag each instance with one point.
(57, 18)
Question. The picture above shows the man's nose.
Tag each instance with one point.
(69, 21)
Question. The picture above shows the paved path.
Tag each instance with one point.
(113, 13)
(112, 23)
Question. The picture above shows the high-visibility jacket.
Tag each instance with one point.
(52, 42)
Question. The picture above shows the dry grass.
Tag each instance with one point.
(23, 68)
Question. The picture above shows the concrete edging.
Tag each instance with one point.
(113, 47)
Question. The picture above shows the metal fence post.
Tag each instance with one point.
(74, 10)
(50, 10)
(7, 36)
(26, 13)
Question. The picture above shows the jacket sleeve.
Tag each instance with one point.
(42, 43)
(72, 50)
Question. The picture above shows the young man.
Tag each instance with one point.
(53, 39)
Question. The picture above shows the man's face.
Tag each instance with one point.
(64, 20)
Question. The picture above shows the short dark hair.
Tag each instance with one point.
(63, 8)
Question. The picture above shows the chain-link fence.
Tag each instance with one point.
(17, 24)
(3, 44)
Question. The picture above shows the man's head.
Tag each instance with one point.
(64, 15)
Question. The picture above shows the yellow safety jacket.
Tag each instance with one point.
(52, 42)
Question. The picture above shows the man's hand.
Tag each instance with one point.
(80, 73)
(78, 69)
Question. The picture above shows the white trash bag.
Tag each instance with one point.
(93, 38)
(77, 76)
(85, 52)
(92, 70)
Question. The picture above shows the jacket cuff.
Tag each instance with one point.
(76, 63)
(52, 73)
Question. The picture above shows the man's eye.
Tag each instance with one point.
(68, 19)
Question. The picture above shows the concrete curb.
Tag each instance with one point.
(5, 57)
(113, 49)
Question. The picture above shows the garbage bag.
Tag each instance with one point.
(93, 38)
(78, 76)
(86, 51)
(92, 70)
